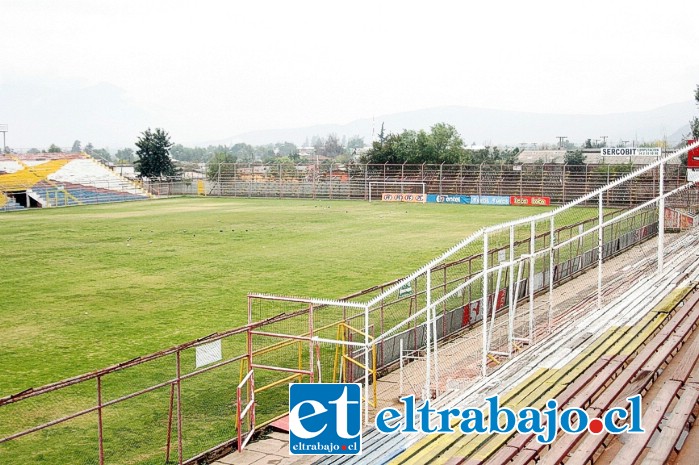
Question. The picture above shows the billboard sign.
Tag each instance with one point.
(490, 199)
(631, 151)
(457, 199)
(530, 200)
(410, 198)
(692, 156)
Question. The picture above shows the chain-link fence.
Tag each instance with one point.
(353, 181)
(529, 278)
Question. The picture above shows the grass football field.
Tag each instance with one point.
(86, 287)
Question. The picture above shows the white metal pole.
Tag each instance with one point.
(401, 366)
(600, 247)
(435, 354)
(428, 335)
(532, 263)
(366, 365)
(661, 218)
(484, 309)
(551, 250)
(511, 298)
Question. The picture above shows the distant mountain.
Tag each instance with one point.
(484, 126)
(679, 135)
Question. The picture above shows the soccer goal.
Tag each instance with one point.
(378, 188)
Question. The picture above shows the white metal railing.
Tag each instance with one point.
(485, 233)
(514, 261)
(246, 389)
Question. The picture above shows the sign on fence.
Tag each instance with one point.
(405, 289)
(460, 199)
(411, 198)
(527, 200)
(490, 199)
(208, 353)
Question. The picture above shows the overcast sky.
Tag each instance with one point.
(207, 70)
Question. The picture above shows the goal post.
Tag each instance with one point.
(397, 187)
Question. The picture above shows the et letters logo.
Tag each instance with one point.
(325, 419)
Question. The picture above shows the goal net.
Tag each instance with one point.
(377, 189)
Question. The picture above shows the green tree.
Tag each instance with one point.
(154, 155)
(243, 152)
(89, 148)
(354, 143)
(286, 149)
(574, 157)
(442, 144)
(76, 147)
(102, 153)
(54, 149)
(124, 156)
(222, 161)
(332, 146)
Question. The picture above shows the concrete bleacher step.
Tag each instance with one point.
(672, 431)
(9, 204)
(595, 324)
(425, 453)
(634, 378)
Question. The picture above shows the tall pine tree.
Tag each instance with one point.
(154, 155)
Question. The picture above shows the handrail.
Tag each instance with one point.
(533, 218)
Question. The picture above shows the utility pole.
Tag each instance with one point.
(560, 141)
(3, 129)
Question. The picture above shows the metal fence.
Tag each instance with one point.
(515, 269)
(179, 404)
(562, 183)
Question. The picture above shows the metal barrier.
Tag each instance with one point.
(512, 270)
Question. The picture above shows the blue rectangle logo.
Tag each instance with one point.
(325, 419)
(460, 199)
(490, 199)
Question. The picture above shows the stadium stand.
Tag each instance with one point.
(625, 352)
(52, 180)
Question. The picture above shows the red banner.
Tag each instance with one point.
(530, 201)
(692, 156)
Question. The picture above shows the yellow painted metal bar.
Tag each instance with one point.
(278, 382)
(376, 402)
(351, 360)
(362, 333)
(243, 371)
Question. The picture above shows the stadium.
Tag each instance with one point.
(163, 322)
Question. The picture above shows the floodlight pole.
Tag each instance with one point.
(3, 129)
